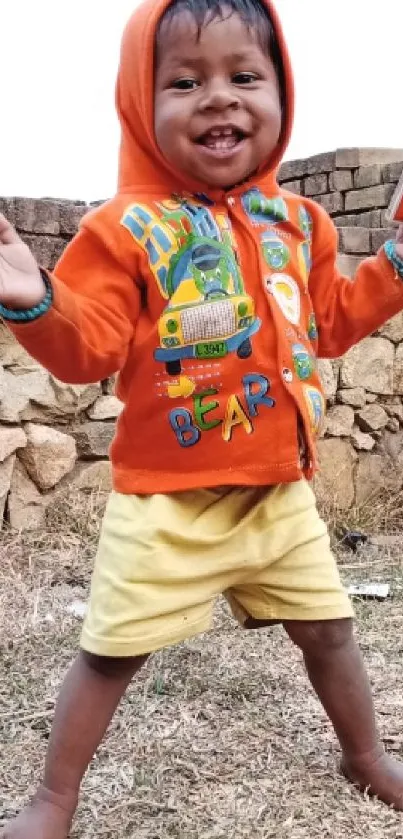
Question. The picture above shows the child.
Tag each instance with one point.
(211, 290)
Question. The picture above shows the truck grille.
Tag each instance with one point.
(208, 321)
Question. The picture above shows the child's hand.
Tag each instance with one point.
(21, 284)
(399, 241)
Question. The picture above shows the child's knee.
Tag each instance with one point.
(110, 667)
(318, 638)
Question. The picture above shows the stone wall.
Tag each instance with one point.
(53, 434)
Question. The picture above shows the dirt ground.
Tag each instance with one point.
(220, 738)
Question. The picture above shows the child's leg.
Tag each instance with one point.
(337, 673)
(88, 699)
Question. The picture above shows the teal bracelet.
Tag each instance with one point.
(27, 315)
(394, 259)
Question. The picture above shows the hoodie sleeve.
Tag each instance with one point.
(85, 334)
(348, 310)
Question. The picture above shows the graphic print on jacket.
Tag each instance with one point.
(208, 313)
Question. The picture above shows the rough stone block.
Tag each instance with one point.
(373, 196)
(341, 180)
(70, 217)
(37, 216)
(392, 171)
(354, 396)
(361, 441)
(385, 220)
(316, 185)
(59, 401)
(352, 158)
(332, 202)
(12, 353)
(369, 476)
(372, 418)
(328, 377)
(7, 208)
(292, 169)
(370, 365)
(371, 218)
(318, 163)
(379, 236)
(335, 481)
(339, 421)
(11, 439)
(105, 408)
(95, 477)
(399, 370)
(19, 389)
(368, 176)
(395, 410)
(315, 165)
(6, 471)
(41, 247)
(48, 456)
(355, 240)
(347, 264)
(94, 438)
(393, 329)
(296, 186)
(26, 505)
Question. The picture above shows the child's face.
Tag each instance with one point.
(217, 111)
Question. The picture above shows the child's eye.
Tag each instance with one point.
(244, 78)
(185, 84)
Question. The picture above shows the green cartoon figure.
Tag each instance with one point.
(275, 252)
(303, 362)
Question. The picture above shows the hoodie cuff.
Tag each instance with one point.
(26, 315)
(390, 251)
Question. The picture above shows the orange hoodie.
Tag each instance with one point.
(212, 308)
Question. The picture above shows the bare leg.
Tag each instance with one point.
(88, 699)
(337, 673)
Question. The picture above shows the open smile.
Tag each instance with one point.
(222, 141)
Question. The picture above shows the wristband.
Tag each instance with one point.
(394, 259)
(27, 315)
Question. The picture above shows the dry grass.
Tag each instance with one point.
(220, 738)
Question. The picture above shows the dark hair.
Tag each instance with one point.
(253, 14)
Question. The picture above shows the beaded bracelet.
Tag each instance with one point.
(397, 261)
(27, 315)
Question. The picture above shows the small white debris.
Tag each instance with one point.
(77, 608)
(370, 591)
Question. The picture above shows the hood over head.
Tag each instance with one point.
(141, 164)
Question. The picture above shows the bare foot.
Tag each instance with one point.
(39, 820)
(380, 776)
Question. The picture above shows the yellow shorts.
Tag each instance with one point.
(164, 559)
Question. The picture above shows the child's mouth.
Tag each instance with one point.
(221, 139)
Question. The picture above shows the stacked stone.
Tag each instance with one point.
(362, 449)
(355, 187)
(53, 435)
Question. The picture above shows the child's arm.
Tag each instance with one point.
(81, 329)
(348, 310)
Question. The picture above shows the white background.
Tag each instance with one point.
(58, 62)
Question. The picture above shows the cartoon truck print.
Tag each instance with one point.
(193, 259)
(209, 314)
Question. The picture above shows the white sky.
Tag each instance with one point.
(58, 62)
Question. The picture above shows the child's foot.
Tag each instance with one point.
(381, 776)
(39, 820)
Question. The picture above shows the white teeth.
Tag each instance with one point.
(219, 132)
(220, 142)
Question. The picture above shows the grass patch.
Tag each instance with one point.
(218, 738)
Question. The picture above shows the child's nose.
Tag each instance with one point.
(219, 96)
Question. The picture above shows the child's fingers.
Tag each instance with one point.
(8, 236)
